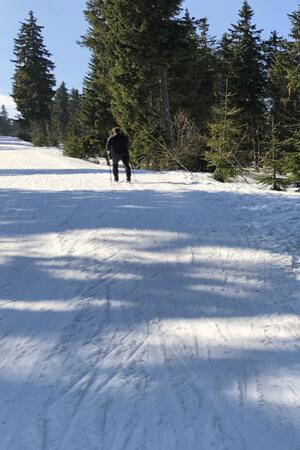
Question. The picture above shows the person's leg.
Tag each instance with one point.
(116, 168)
(125, 161)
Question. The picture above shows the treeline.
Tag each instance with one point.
(184, 98)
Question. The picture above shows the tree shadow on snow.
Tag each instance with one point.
(127, 284)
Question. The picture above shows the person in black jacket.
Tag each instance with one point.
(118, 150)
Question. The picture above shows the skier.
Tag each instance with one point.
(117, 148)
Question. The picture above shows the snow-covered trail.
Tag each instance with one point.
(160, 315)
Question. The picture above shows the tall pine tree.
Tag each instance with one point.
(138, 39)
(60, 111)
(74, 103)
(193, 71)
(33, 80)
(247, 78)
(95, 116)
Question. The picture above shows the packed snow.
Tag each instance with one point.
(157, 315)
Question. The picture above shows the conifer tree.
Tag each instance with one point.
(247, 80)
(207, 72)
(273, 159)
(225, 141)
(60, 111)
(224, 67)
(192, 71)
(293, 74)
(140, 40)
(33, 80)
(95, 116)
(272, 49)
(74, 103)
(291, 161)
(73, 138)
(185, 68)
(285, 78)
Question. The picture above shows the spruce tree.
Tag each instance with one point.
(247, 80)
(60, 111)
(74, 103)
(140, 39)
(225, 141)
(285, 79)
(95, 116)
(224, 67)
(207, 72)
(33, 80)
(192, 73)
(272, 49)
(273, 159)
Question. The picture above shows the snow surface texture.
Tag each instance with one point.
(160, 315)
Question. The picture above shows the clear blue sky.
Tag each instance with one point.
(64, 24)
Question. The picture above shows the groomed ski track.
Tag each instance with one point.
(161, 315)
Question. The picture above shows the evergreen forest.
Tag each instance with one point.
(186, 99)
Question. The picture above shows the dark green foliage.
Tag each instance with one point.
(95, 116)
(133, 49)
(140, 40)
(74, 104)
(60, 111)
(273, 48)
(6, 126)
(73, 139)
(247, 74)
(193, 72)
(247, 78)
(33, 80)
(73, 145)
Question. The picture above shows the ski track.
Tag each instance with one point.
(160, 315)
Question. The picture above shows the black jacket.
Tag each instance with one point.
(118, 145)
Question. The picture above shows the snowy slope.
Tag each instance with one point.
(160, 315)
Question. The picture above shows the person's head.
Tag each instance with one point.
(117, 130)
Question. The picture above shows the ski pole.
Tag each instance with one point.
(110, 170)
(110, 174)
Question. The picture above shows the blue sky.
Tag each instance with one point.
(64, 24)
